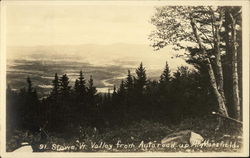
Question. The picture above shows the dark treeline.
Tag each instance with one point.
(183, 94)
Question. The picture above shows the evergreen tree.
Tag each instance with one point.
(164, 94)
(55, 83)
(141, 78)
(114, 94)
(184, 88)
(109, 95)
(120, 104)
(129, 84)
(53, 106)
(129, 95)
(80, 97)
(65, 105)
(80, 85)
(91, 90)
(64, 85)
(29, 85)
(30, 107)
(154, 101)
(12, 110)
(76, 86)
(121, 90)
(91, 111)
(165, 76)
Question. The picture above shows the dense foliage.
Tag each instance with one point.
(212, 37)
(185, 93)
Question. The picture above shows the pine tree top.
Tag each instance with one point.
(141, 72)
(165, 76)
(129, 81)
(29, 84)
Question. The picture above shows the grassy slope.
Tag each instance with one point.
(146, 131)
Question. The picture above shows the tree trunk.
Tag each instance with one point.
(227, 63)
(236, 98)
(220, 100)
(219, 70)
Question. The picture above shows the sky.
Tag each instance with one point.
(29, 25)
(74, 25)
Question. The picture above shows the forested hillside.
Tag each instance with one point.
(79, 111)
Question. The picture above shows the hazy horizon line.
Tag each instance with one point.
(101, 44)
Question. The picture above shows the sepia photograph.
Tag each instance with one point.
(124, 78)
